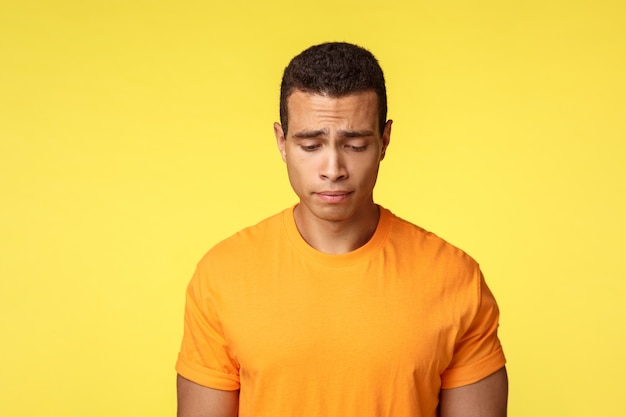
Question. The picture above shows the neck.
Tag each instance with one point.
(337, 237)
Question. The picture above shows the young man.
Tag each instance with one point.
(336, 307)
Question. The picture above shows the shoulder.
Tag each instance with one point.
(247, 242)
(409, 238)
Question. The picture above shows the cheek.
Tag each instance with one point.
(368, 172)
(299, 167)
(296, 175)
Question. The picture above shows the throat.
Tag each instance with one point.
(336, 237)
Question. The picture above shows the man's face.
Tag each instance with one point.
(333, 150)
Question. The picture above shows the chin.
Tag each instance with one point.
(335, 212)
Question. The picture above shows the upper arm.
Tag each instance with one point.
(195, 400)
(485, 398)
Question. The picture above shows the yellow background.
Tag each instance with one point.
(136, 134)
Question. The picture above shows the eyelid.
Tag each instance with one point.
(309, 147)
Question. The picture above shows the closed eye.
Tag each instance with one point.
(357, 148)
(309, 148)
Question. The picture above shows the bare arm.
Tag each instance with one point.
(485, 398)
(198, 401)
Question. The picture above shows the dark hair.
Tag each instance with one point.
(335, 69)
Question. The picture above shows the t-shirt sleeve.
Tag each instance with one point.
(477, 352)
(204, 356)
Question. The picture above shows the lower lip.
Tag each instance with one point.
(333, 198)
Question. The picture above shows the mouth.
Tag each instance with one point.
(333, 196)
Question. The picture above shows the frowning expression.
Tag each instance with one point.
(333, 150)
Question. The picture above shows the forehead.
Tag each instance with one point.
(360, 107)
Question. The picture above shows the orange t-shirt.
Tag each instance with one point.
(375, 332)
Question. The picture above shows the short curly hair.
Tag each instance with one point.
(335, 69)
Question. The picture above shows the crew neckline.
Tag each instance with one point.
(345, 259)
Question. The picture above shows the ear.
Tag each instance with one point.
(280, 140)
(385, 139)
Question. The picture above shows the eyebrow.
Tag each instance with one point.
(309, 134)
(356, 133)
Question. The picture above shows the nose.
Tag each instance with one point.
(333, 167)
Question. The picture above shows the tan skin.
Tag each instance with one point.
(197, 401)
(332, 150)
(485, 398)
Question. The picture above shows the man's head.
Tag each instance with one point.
(334, 69)
(333, 98)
